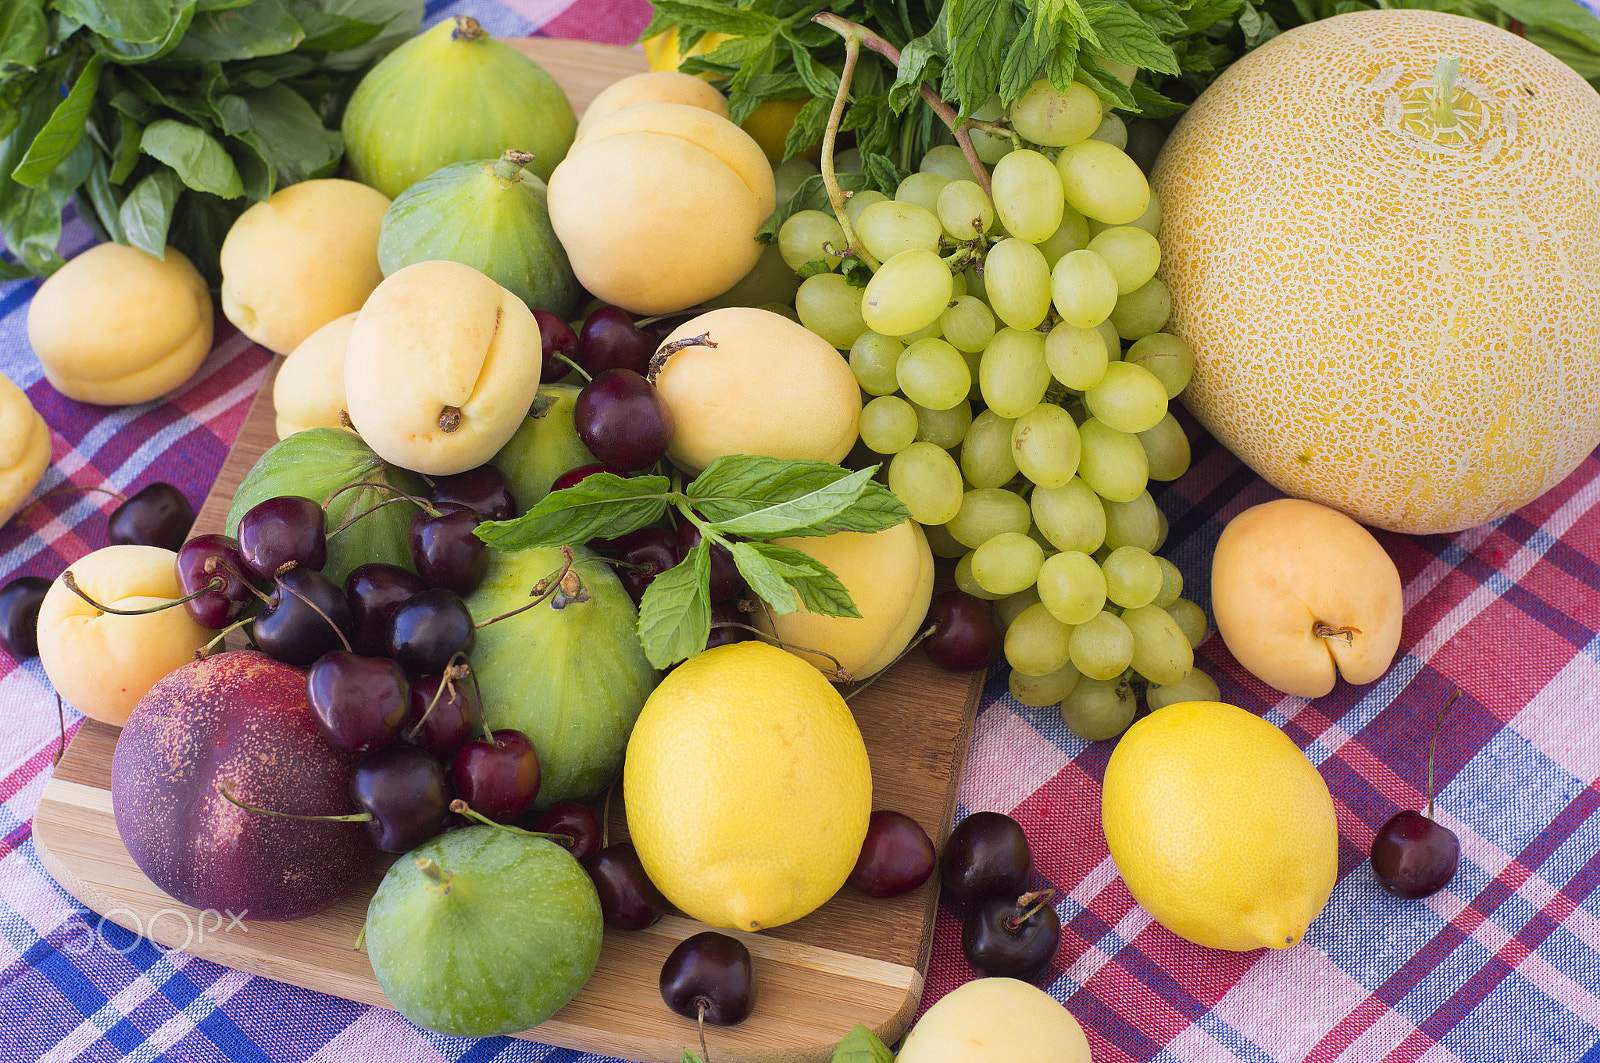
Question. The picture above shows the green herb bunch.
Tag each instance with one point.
(167, 118)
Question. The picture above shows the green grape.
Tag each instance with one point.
(975, 285)
(872, 359)
(1128, 398)
(1136, 523)
(1098, 709)
(1083, 288)
(770, 280)
(1037, 643)
(942, 543)
(1191, 620)
(922, 188)
(1045, 115)
(1027, 195)
(990, 147)
(926, 479)
(1041, 690)
(986, 512)
(1132, 254)
(1010, 607)
(1166, 449)
(967, 585)
(944, 428)
(1160, 652)
(830, 306)
(847, 161)
(860, 201)
(908, 292)
(949, 160)
(789, 175)
(1112, 130)
(986, 456)
(1071, 235)
(1102, 647)
(1072, 587)
(783, 309)
(929, 331)
(1161, 539)
(1196, 686)
(1168, 357)
(1149, 221)
(967, 323)
(1075, 356)
(1017, 282)
(933, 374)
(888, 424)
(1143, 311)
(1108, 332)
(964, 210)
(958, 286)
(1132, 577)
(1102, 182)
(1045, 442)
(1013, 375)
(811, 236)
(1071, 517)
(1007, 563)
(889, 227)
(1112, 462)
(1171, 583)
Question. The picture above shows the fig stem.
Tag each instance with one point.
(467, 29)
(667, 350)
(361, 937)
(1027, 905)
(541, 591)
(1433, 746)
(71, 583)
(461, 808)
(441, 876)
(227, 793)
(508, 168)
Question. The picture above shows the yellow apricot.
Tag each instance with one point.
(309, 389)
(656, 86)
(24, 448)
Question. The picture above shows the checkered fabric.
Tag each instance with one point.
(1503, 965)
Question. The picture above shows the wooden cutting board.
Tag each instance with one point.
(853, 960)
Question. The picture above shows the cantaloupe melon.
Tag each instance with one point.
(1393, 312)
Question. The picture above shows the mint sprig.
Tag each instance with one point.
(739, 502)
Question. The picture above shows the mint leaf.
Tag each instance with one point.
(675, 613)
(1125, 37)
(717, 17)
(766, 498)
(601, 504)
(978, 31)
(819, 590)
(861, 1045)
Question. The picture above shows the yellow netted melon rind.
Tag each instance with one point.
(1394, 317)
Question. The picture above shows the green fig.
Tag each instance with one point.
(545, 446)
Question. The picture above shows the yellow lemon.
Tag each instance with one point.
(1220, 826)
(661, 51)
(747, 787)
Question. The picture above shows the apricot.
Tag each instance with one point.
(658, 205)
(441, 366)
(154, 325)
(655, 86)
(889, 575)
(24, 448)
(758, 384)
(307, 255)
(996, 1020)
(309, 389)
(1302, 593)
(102, 663)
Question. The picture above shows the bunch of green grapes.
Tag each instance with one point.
(1018, 381)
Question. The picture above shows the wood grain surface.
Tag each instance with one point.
(853, 960)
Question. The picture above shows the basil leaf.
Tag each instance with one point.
(861, 1045)
(136, 22)
(817, 588)
(327, 32)
(765, 498)
(400, 20)
(24, 32)
(129, 133)
(675, 612)
(196, 156)
(32, 218)
(124, 51)
(103, 199)
(264, 27)
(146, 214)
(289, 134)
(61, 134)
(602, 504)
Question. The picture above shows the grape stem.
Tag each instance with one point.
(837, 196)
(856, 34)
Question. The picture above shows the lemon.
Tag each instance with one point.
(747, 787)
(1220, 826)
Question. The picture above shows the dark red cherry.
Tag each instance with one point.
(623, 420)
(211, 560)
(484, 490)
(644, 555)
(407, 793)
(573, 477)
(20, 599)
(555, 337)
(986, 856)
(498, 778)
(375, 590)
(1012, 938)
(967, 633)
(445, 712)
(276, 531)
(1414, 856)
(578, 822)
(896, 857)
(157, 515)
(445, 549)
(609, 340)
(358, 702)
(726, 582)
(710, 974)
(628, 899)
(728, 624)
(428, 629)
(303, 618)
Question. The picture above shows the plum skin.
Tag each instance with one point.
(239, 718)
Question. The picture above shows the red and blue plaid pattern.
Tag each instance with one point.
(1504, 965)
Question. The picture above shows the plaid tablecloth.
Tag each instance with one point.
(1504, 965)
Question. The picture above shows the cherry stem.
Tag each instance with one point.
(315, 608)
(839, 669)
(71, 583)
(1433, 746)
(667, 350)
(61, 730)
(461, 808)
(61, 489)
(220, 637)
(354, 817)
(396, 495)
(361, 936)
(541, 591)
(580, 370)
(702, 1005)
(452, 672)
(441, 876)
(922, 636)
(1027, 905)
